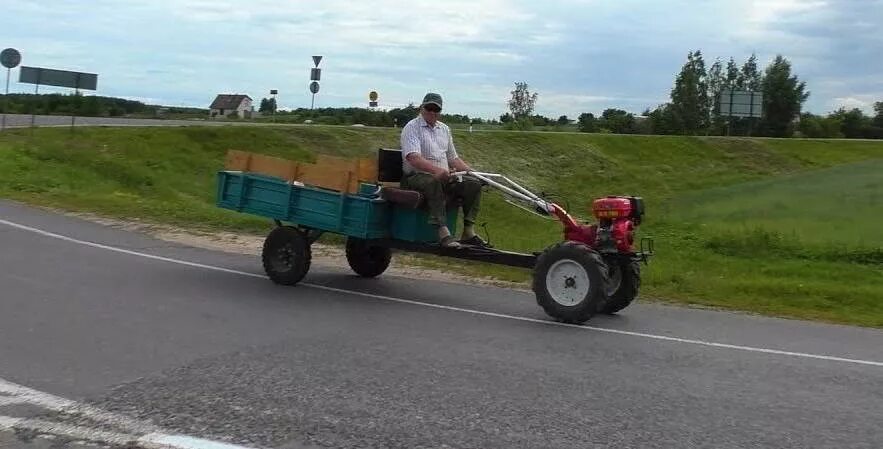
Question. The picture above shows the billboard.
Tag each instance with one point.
(741, 103)
(61, 78)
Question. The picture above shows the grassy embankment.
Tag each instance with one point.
(779, 227)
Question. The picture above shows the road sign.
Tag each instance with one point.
(316, 60)
(10, 58)
(741, 103)
(315, 74)
(61, 78)
(372, 104)
(314, 87)
(273, 91)
(372, 96)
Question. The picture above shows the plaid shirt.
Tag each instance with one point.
(434, 143)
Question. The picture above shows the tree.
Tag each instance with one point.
(716, 83)
(733, 81)
(563, 120)
(689, 97)
(90, 107)
(665, 120)
(401, 116)
(818, 127)
(783, 97)
(853, 123)
(540, 120)
(618, 121)
(587, 123)
(506, 118)
(876, 130)
(522, 102)
(878, 119)
(749, 77)
(268, 105)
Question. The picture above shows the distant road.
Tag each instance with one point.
(24, 120)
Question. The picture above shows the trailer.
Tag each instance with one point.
(594, 269)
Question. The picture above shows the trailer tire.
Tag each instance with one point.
(286, 255)
(569, 282)
(622, 295)
(367, 260)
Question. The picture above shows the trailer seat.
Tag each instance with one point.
(389, 169)
(410, 199)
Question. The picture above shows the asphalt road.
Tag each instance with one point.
(119, 321)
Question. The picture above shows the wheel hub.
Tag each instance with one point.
(285, 257)
(567, 282)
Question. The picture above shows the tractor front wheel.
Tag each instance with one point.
(622, 288)
(569, 281)
(367, 260)
(286, 255)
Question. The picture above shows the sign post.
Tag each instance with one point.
(315, 75)
(314, 88)
(273, 92)
(372, 99)
(10, 58)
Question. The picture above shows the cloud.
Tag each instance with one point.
(580, 55)
(763, 12)
(863, 102)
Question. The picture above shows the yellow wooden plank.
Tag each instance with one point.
(329, 172)
(237, 160)
(259, 163)
(272, 166)
(367, 170)
(334, 178)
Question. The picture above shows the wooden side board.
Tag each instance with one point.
(328, 172)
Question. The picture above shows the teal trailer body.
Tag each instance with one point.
(364, 214)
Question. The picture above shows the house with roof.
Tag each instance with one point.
(227, 104)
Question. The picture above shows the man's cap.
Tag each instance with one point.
(433, 98)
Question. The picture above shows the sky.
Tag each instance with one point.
(578, 55)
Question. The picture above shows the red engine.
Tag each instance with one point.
(615, 232)
(612, 207)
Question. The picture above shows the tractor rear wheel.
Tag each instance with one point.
(622, 288)
(286, 255)
(367, 260)
(569, 281)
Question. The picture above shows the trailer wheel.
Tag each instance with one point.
(367, 260)
(286, 255)
(569, 282)
(622, 287)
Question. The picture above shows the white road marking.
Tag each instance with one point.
(7, 422)
(4, 401)
(455, 309)
(57, 404)
(75, 432)
(183, 442)
(145, 435)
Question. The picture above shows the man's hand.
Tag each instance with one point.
(460, 165)
(441, 174)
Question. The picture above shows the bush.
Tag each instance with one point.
(522, 124)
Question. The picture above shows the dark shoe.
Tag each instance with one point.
(448, 242)
(475, 240)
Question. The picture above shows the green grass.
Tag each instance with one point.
(780, 227)
(841, 206)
